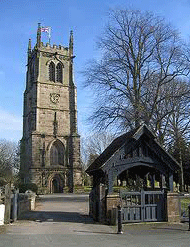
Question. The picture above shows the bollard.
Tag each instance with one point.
(189, 217)
(119, 220)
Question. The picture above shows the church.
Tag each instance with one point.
(50, 146)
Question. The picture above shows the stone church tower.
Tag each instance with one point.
(50, 147)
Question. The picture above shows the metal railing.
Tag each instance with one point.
(184, 209)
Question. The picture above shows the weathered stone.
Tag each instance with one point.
(173, 207)
(50, 151)
(112, 202)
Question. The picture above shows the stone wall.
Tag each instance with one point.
(26, 202)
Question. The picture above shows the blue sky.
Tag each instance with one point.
(18, 23)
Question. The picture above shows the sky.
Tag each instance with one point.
(87, 18)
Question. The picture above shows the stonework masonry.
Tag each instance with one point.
(50, 147)
(173, 207)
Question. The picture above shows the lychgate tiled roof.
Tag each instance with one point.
(121, 140)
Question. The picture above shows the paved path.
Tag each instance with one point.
(62, 220)
(59, 214)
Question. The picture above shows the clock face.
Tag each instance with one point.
(54, 97)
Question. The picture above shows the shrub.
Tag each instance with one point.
(29, 186)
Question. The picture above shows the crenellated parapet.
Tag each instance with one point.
(54, 49)
(47, 48)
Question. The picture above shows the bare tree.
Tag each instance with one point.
(170, 111)
(177, 131)
(9, 161)
(94, 145)
(141, 56)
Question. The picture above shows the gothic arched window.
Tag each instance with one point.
(59, 70)
(57, 154)
(52, 71)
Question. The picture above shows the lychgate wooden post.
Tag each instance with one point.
(171, 181)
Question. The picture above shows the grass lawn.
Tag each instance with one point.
(185, 202)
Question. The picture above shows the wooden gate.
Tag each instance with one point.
(143, 206)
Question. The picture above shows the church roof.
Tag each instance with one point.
(123, 139)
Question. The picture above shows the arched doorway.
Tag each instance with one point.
(56, 184)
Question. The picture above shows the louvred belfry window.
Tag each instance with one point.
(59, 72)
(52, 72)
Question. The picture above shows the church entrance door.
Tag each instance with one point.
(56, 184)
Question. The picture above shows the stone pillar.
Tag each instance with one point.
(15, 204)
(7, 204)
(112, 201)
(173, 207)
(32, 201)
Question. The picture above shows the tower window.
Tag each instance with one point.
(57, 154)
(59, 71)
(52, 72)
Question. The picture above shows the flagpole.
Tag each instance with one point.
(49, 34)
(47, 30)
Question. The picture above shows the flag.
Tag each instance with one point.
(47, 30)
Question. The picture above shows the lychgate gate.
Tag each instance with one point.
(143, 206)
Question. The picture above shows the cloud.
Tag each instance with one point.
(9, 121)
(2, 75)
(10, 125)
